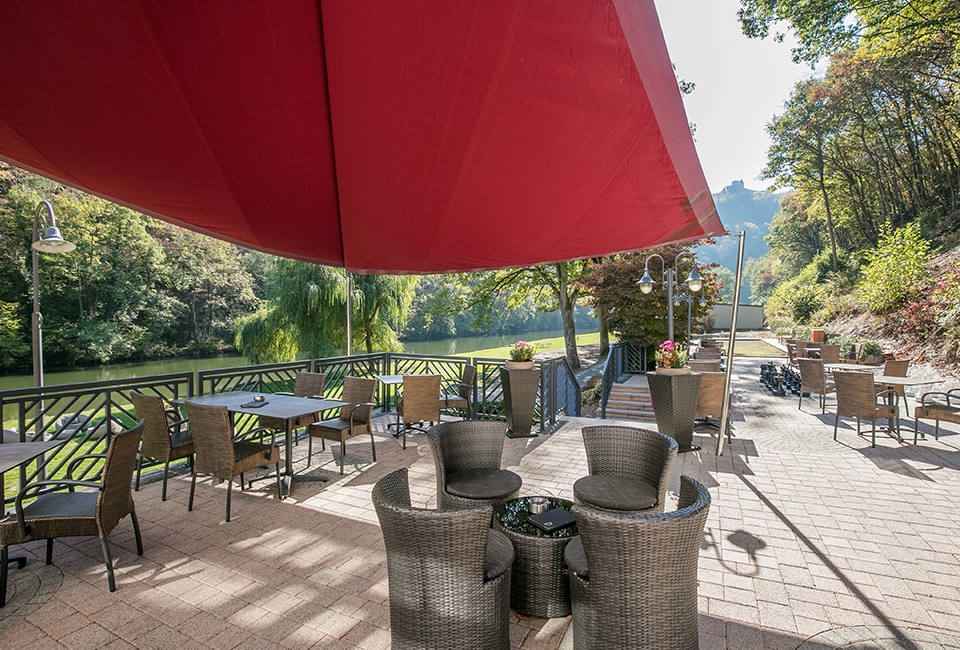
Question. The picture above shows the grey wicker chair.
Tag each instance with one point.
(629, 469)
(71, 514)
(165, 438)
(467, 455)
(858, 398)
(458, 395)
(218, 454)
(814, 381)
(354, 418)
(633, 578)
(305, 384)
(420, 403)
(448, 573)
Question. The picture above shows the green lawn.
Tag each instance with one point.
(541, 345)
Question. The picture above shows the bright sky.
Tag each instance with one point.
(741, 84)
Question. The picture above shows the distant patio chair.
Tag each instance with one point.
(354, 420)
(629, 469)
(419, 404)
(74, 514)
(164, 439)
(893, 368)
(458, 394)
(814, 381)
(218, 454)
(858, 398)
(710, 400)
(633, 579)
(702, 365)
(305, 384)
(830, 354)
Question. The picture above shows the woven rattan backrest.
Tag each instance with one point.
(830, 353)
(710, 400)
(811, 376)
(893, 368)
(212, 439)
(308, 384)
(437, 552)
(421, 398)
(114, 500)
(708, 353)
(358, 390)
(468, 444)
(156, 435)
(800, 346)
(467, 378)
(704, 365)
(629, 451)
(856, 395)
(643, 571)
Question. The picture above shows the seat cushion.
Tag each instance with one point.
(575, 557)
(499, 555)
(615, 492)
(58, 514)
(483, 483)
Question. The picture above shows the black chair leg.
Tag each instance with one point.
(373, 446)
(343, 452)
(309, 449)
(279, 483)
(50, 550)
(163, 493)
(136, 487)
(229, 491)
(836, 422)
(106, 560)
(136, 532)
(193, 487)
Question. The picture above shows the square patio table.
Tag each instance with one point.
(281, 407)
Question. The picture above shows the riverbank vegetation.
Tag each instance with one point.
(871, 149)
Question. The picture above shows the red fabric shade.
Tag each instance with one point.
(383, 136)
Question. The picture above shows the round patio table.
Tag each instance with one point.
(539, 586)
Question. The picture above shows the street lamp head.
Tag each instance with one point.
(53, 242)
(694, 282)
(646, 282)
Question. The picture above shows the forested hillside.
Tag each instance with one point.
(871, 148)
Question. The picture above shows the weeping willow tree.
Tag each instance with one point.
(306, 314)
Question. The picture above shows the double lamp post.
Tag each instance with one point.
(670, 274)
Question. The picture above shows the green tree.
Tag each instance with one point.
(897, 270)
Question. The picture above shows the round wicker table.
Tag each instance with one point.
(539, 586)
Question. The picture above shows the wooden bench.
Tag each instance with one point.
(932, 410)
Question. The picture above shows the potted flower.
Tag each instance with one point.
(871, 353)
(521, 356)
(672, 359)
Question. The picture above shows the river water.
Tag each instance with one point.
(447, 347)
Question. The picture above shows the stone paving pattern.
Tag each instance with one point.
(805, 536)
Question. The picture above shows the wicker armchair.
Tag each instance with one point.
(633, 579)
(459, 394)
(305, 384)
(813, 381)
(930, 409)
(420, 403)
(164, 439)
(354, 419)
(448, 573)
(71, 514)
(858, 398)
(218, 454)
(466, 455)
(629, 469)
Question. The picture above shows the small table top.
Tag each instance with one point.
(282, 407)
(904, 381)
(513, 514)
(853, 367)
(398, 379)
(13, 454)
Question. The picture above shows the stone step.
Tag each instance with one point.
(624, 414)
(630, 393)
(630, 405)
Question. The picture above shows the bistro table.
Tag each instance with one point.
(852, 367)
(281, 407)
(887, 381)
(539, 585)
(15, 454)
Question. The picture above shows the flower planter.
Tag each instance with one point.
(673, 371)
(520, 389)
(519, 365)
(675, 400)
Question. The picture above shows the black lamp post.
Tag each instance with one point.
(694, 283)
(51, 242)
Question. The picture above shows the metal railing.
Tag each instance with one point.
(84, 415)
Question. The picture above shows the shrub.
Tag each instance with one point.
(896, 272)
(946, 299)
(916, 320)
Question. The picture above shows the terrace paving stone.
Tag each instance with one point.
(810, 543)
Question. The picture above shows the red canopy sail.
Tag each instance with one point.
(382, 136)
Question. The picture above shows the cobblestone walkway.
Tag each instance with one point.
(808, 541)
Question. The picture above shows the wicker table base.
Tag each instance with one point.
(539, 586)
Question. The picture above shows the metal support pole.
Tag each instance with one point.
(670, 280)
(349, 311)
(725, 407)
